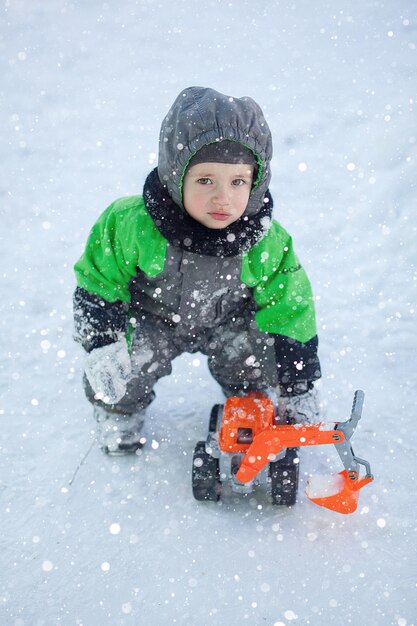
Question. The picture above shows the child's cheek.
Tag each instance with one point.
(200, 201)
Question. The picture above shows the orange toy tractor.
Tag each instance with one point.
(248, 444)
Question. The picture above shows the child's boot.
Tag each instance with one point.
(119, 433)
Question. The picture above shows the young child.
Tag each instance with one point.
(195, 264)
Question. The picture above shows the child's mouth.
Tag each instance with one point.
(221, 217)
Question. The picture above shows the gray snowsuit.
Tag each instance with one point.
(238, 295)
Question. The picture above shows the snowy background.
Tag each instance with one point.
(84, 87)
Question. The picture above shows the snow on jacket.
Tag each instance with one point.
(145, 252)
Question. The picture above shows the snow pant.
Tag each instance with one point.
(239, 359)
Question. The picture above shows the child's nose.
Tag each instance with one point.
(221, 196)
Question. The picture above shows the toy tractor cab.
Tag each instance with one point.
(232, 429)
(249, 444)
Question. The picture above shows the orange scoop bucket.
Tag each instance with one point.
(338, 492)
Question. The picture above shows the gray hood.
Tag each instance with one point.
(202, 115)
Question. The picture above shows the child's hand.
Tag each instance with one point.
(301, 408)
(108, 370)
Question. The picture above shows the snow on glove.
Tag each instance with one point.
(301, 408)
(108, 370)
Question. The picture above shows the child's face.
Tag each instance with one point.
(216, 194)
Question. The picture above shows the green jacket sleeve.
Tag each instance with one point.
(281, 287)
(123, 239)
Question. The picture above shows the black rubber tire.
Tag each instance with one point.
(205, 475)
(214, 417)
(284, 475)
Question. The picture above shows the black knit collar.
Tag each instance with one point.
(184, 232)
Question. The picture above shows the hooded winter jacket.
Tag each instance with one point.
(146, 253)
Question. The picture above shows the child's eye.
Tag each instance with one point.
(238, 182)
(204, 181)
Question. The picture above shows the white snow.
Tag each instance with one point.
(85, 86)
(320, 486)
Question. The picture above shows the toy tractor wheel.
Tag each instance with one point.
(206, 475)
(215, 415)
(284, 476)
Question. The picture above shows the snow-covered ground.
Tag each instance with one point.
(84, 87)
